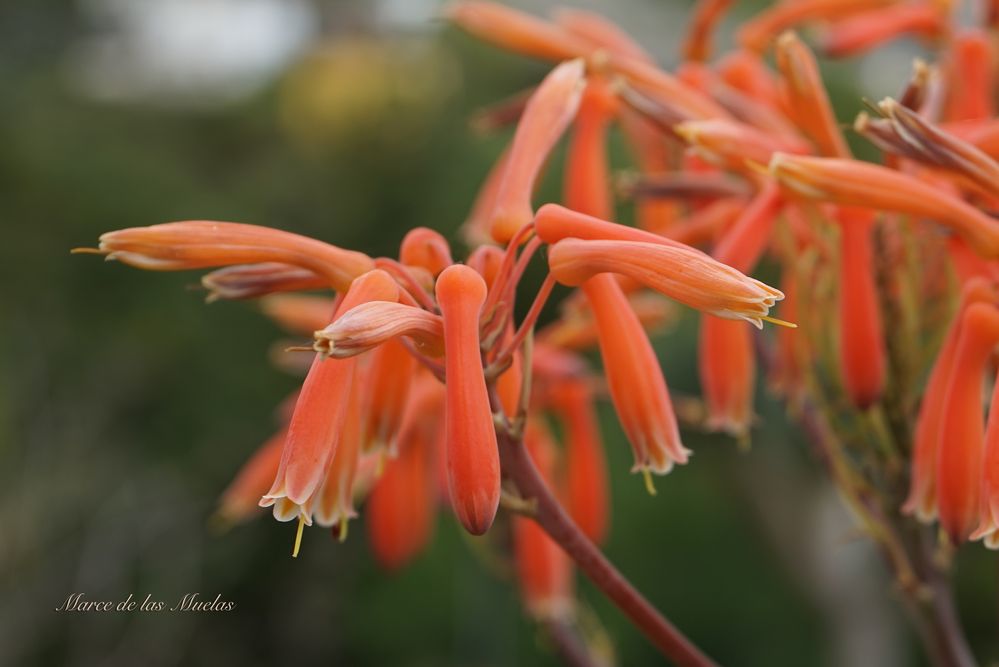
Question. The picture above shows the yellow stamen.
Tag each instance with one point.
(86, 251)
(300, 348)
(778, 322)
(298, 536)
(342, 532)
(649, 485)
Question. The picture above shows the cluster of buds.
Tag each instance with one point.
(425, 387)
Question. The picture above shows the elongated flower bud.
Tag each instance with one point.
(599, 32)
(515, 30)
(247, 281)
(869, 30)
(587, 494)
(686, 275)
(197, 244)
(862, 348)
(726, 361)
(763, 28)
(548, 113)
(240, 500)
(319, 416)
(427, 249)
(972, 80)
(473, 470)
(368, 325)
(637, 386)
(922, 499)
(806, 96)
(544, 571)
(959, 461)
(855, 183)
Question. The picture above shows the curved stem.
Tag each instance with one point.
(517, 465)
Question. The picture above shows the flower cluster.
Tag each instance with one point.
(423, 384)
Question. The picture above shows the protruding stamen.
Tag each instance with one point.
(298, 536)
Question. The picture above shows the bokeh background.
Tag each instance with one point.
(126, 403)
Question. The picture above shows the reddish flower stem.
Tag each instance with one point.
(529, 320)
(517, 465)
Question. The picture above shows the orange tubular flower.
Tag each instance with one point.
(806, 97)
(706, 16)
(247, 281)
(370, 324)
(686, 275)
(588, 498)
(637, 386)
(515, 31)
(862, 348)
(315, 425)
(473, 470)
(734, 145)
(988, 528)
(748, 73)
(426, 249)
(600, 33)
(972, 79)
(959, 460)
(400, 510)
(855, 183)
(544, 571)
(548, 113)
(757, 33)
(726, 360)
(197, 244)
(241, 498)
(390, 376)
(334, 504)
(922, 500)
(869, 30)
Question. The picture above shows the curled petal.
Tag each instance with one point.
(370, 324)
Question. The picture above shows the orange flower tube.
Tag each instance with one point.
(515, 31)
(869, 30)
(296, 313)
(988, 528)
(757, 33)
(637, 386)
(972, 69)
(390, 376)
(319, 416)
(862, 347)
(334, 505)
(959, 460)
(683, 274)
(806, 98)
(198, 244)
(726, 361)
(922, 499)
(707, 15)
(855, 183)
(587, 494)
(473, 470)
(400, 510)
(548, 113)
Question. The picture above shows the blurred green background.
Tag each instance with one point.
(126, 404)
